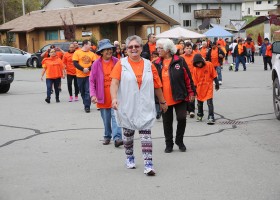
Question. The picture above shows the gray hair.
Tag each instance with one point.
(204, 43)
(133, 37)
(167, 44)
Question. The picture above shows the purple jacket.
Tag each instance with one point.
(96, 79)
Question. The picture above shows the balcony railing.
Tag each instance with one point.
(207, 13)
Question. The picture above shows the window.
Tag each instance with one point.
(259, 2)
(248, 11)
(187, 23)
(16, 51)
(150, 29)
(207, 6)
(51, 35)
(5, 50)
(158, 30)
(186, 8)
(11, 37)
(235, 6)
(257, 13)
(171, 9)
(270, 2)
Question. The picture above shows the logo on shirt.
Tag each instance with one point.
(177, 66)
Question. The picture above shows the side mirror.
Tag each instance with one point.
(40, 51)
(276, 47)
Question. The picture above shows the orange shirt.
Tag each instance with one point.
(152, 47)
(221, 42)
(215, 57)
(203, 52)
(203, 80)
(107, 69)
(189, 60)
(53, 66)
(268, 51)
(67, 60)
(138, 68)
(196, 51)
(85, 60)
(166, 87)
(59, 54)
(240, 48)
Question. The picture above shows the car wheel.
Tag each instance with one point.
(29, 63)
(35, 63)
(276, 97)
(5, 88)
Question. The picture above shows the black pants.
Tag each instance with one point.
(70, 79)
(167, 117)
(267, 60)
(190, 106)
(253, 57)
(210, 108)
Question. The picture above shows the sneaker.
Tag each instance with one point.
(211, 121)
(192, 115)
(244, 69)
(57, 100)
(220, 82)
(76, 98)
(181, 146)
(130, 164)
(48, 100)
(199, 119)
(118, 143)
(149, 170)
(70, 99)
(168, 149)
(158, 116)
(87, 110)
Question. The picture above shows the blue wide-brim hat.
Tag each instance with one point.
(104, 44)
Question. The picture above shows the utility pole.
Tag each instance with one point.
(23, 8)
(3, 12)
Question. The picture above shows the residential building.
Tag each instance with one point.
(115, 21)
(257, 8)
(198, 14)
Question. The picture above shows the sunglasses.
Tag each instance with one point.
(134, 46)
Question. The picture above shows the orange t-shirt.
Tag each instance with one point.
(85, 60)
(221, 42)
(189, 60)
(240, 49)
(67, 60)
(107, 69)
(53, 66)
(196, 51)
(166, 87)
(138, 68)
(203, 52)
(59, 54)
(152, 47)
(215, 57)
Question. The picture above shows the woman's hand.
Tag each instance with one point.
(115, 104)
(93, 99)
(163, 107)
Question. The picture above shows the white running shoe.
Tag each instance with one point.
(220, 82)
(148, 169)
(130, 164)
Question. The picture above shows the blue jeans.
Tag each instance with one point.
(49, 83)
(110, 124)
(238, 60)
(219, 72)
(83, 84)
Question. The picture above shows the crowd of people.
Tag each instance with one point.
(133, 84)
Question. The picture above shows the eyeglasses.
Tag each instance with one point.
(134, 46)
(159, 48)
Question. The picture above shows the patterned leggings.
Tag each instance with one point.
(146, 143)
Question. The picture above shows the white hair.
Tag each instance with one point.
(204, 43)
(133, 37)
(167, 44)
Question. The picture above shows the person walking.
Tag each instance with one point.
(71, 73)
(240, 53)
(150, 46)
(134, 83)
(266, 52)
(204, 49)
(177, 89)
(99, 83)
(216, 55)
(83, 59)
(53, 67)
(188, 57)
(203, 76)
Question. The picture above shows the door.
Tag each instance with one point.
(19, 57)
(130, 30)
(6, 55)
(22, 41)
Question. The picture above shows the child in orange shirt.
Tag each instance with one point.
(203, 75)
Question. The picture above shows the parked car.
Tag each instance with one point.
(276, 79)
(6, 76)
(36, 60)
(14, 56)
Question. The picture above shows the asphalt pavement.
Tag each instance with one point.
(54, 151)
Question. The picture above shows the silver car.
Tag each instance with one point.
(276, 79)
(14, 56)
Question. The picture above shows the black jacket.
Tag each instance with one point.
(146, 49)
(180, 75)
(235, 52)
(220, 51)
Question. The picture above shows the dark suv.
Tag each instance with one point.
(6, 76)
(36, 60)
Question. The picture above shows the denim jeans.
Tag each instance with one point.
(49, 83)
(210, 108)
(83, 84)
(238, 60)
(219, 72)
(110, 124)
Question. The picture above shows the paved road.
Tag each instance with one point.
(54, 151)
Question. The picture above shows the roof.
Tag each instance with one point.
(210, 1)
(93, 2)
(257, 21)
(85, 15)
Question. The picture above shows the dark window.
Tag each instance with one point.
(257, 13)
(186, 8)
(187, 23)
(248, 11)
(259, 2)
(51, 35)
(16, 51)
